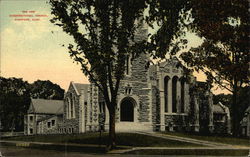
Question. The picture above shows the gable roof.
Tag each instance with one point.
(219, 108)
(79, 87)
(47, 106)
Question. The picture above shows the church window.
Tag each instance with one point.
(102, 107)
(127, 65)
(31, 118)
(174, 94)
(71, 107)
(182, 95)
(166, 79)
(72, 104)
(31, 131)
(68, 108)
(128, 89)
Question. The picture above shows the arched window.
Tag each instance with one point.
(71, 107)
(68, 112)
(127, 65)
(182, 95)
(174, 94)
(166, 79)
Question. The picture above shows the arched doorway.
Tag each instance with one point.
(127, 110)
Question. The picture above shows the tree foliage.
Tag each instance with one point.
(46, 90)
(243, 100)
(15, 97)
(224, 55)
(14, 102)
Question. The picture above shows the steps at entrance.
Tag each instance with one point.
(133, 126)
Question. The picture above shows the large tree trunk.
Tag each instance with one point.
(235, 116)
(112, 136)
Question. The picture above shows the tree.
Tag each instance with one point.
(243, 100)
(105, 33)
(14, 103)
(225, 99)
(224, 54)
(46, 90)
(15, 99)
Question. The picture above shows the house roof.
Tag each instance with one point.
(47, 106)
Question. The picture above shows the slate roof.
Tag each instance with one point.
(47, 106)
(79, 87)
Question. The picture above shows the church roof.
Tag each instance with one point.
(46, 106)
(218, 108)
(79, 87)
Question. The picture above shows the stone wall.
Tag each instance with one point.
(201, 114)
(176, 122)
(136, 86)
(33, 124)
(71, 123)
(50, 125)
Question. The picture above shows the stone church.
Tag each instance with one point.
(158, 98)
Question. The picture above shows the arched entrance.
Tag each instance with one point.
(127, 110)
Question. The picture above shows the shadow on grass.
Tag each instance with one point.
(122, 139)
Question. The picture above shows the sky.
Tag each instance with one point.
(29, 49)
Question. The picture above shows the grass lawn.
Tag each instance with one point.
(214, 138)
(196, 152)
(122, 139)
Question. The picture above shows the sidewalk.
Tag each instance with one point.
(191, 140)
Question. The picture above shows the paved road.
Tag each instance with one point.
(23, 152)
